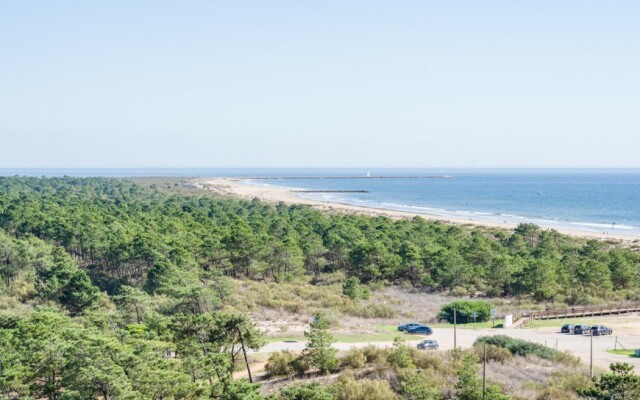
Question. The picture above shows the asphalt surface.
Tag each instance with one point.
(578, 345)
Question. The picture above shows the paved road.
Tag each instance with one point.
(575, 344)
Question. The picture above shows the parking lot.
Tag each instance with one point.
(626, 328)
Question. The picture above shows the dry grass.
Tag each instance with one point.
(519, 377)
(528, 378)
(287, 307)
(12, 306)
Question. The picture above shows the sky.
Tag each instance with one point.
(319, 84)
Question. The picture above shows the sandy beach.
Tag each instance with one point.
(235, 187)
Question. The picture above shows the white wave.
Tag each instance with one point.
(475, 216)
(604, 226)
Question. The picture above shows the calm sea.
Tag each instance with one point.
(580, 199)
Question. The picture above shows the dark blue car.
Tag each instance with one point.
(410, 325)
(420, 330)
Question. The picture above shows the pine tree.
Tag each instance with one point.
(319, 349)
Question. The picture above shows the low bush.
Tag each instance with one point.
(281, 364)
(308, 391)
(400, 356)
(372, 310)
(494, 353)
(354, 358)
(418, 386)
(523, 348)
(569, 380)
(302, 364)
(431, 360)
(354, 290)
(350, 388)
(374, 354)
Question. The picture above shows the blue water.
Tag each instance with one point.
(588, 200)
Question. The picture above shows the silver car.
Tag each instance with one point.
(428, 345)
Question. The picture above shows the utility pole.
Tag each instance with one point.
(591, 358)
(454, 329)
(484, 372)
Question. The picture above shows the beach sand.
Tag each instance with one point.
(235, 187)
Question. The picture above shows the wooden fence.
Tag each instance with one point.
(522, 320)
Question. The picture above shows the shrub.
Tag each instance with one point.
(372, 311)
(563, 382)
(9, 321)
(469, 385)
(523, 348)
(416, 386)
(353, 290)
(348, 388)
(281, 364)
(354, 358)
(302, 364)
(400, 356)
(494, 353)
(431, 360)
(464, 311)
(374, 354)
(620, 383)
(309, 391)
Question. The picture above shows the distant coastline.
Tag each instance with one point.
(240, 188)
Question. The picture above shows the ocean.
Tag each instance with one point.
(591, 200)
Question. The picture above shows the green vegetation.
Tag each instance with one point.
(114, 290)
(48, 355)
(309, 391)
(281, 364)
(400, 356)
(120, 233)
(524, 348)
(319, 351)
(353, 290)
(466, 311)
(469, 385)
(623, 352)
(619, 384)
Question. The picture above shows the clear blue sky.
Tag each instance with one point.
(319, 83)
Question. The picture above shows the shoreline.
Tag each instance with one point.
(235, 187)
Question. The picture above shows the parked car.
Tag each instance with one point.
(420, 330)
(407, 326)
(428, 345)
(581, 329)
(567, 328)
(600, 330)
